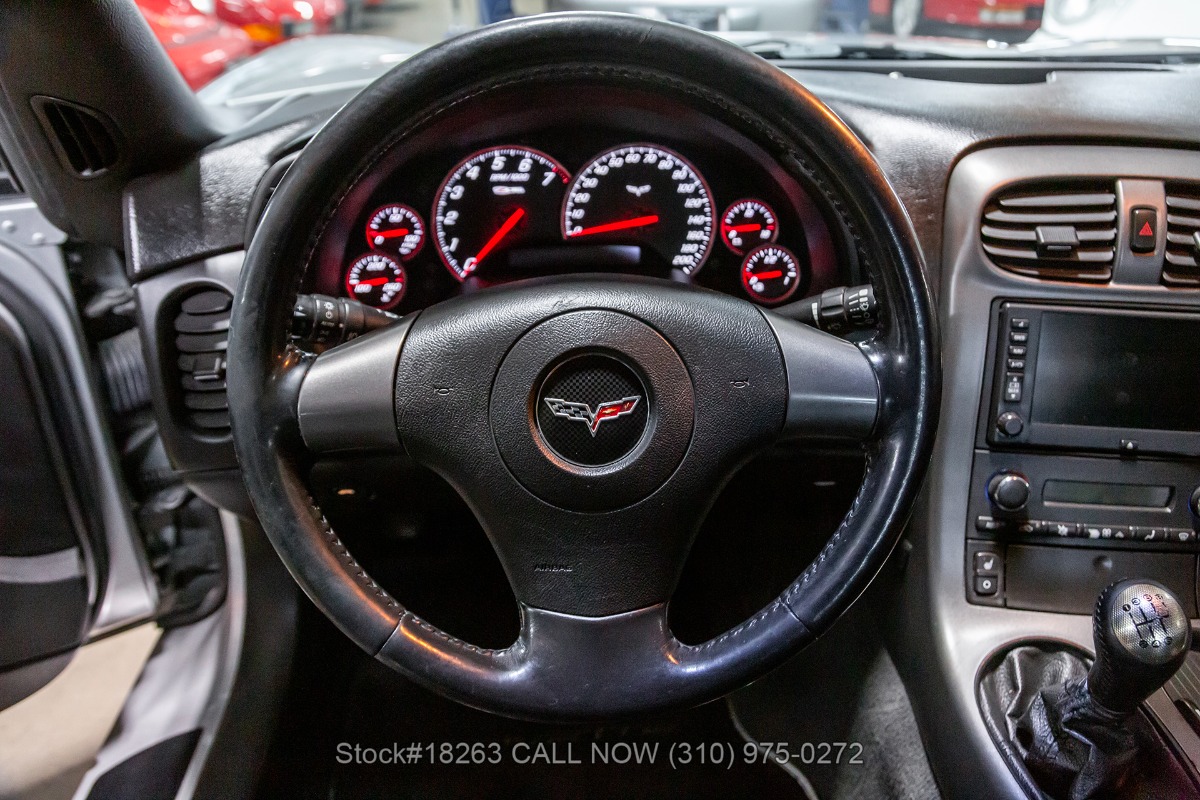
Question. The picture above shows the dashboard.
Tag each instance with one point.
(931, 125)
(625, 183)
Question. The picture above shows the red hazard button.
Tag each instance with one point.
(1143, 230)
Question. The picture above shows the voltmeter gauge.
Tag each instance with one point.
(396, 229)
(771, 274)
(747, 224)
(376, 279)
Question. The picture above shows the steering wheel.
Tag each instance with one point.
(591, 508)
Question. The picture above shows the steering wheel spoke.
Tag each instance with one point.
(347, 400)
(832, 386)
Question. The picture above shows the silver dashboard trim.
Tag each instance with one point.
(960, 635)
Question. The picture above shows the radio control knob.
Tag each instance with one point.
(1196, 503)
(1010, 423)
(1008, 491)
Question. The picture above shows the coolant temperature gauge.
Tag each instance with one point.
(771, 274)
(376, 279)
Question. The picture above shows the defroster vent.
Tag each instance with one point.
(201, 340)
(1059, 230)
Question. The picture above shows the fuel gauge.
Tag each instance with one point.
(771, 274)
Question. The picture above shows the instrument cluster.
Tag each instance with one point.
(678, 202)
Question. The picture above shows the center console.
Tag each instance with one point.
(1087, 441)
(1068, 452)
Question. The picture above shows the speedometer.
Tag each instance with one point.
(493, 200)
(643, 194)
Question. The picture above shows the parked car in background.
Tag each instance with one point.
(711, 15)
(200, 46)
(1092, 20)
(270, 22)
(1000, 19)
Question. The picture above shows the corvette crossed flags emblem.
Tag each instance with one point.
(582, 412)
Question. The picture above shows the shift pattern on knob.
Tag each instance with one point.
(1142, 636)
(1148, 622)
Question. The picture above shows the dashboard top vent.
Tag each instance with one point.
(1060, 230)
(201, 338)
(1183, 234)
(83, 138)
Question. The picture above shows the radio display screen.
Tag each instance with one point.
(1118, 371)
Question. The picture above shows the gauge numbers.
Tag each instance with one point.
(494, 200)
(746, 224)
(396, 229)
(643, 194)
(771, 274)
(376, 279)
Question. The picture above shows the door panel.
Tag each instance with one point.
(71, 560)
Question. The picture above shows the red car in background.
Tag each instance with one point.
(1002, 19)
(270, 22)
(201, 47)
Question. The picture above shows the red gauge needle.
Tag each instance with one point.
(636, 222)
(508, 225)
(766, 276)
(392, 234)
(375, 281)
(746, 228)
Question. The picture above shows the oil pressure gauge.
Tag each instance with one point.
(396, 229)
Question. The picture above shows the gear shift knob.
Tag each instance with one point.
(1142, 636)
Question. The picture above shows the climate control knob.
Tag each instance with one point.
(1008, 491)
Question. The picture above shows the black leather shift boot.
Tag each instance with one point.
(1060, 744)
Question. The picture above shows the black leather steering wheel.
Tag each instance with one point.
(592, 535)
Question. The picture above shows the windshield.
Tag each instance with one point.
(207, 38)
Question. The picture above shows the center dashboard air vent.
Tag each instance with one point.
(1183, 234)
(201, 339)
(1059, 230)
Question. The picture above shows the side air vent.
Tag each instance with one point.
(1064, 231)
(1183, 234)
(84, 139)
(201, 339)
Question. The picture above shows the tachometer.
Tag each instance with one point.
(647, 195)
(493, 200)
(376, 279)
